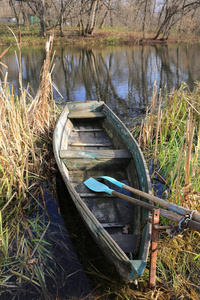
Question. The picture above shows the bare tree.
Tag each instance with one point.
(140, 15)
(13, 6)
(171, 13)
(144, 18)
(40, 8)
(63, 8)
(108, 9)
(91, 12)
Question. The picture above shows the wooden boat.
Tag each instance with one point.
(90, 141)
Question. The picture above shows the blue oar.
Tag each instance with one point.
(173, 207)
(97, 186)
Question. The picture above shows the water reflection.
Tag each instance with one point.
(32, 61)
(122, 76)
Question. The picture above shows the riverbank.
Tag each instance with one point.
(107, 36)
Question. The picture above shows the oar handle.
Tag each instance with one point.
(165, 213)
(173, 207)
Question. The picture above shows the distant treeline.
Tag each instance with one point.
(156, 16)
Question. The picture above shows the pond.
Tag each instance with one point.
(123, 77)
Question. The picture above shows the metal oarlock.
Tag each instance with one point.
(184, 221)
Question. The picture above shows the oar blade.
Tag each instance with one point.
(112, 180)
(97, 186)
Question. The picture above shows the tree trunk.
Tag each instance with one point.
(111, 19)
(105, 15)
(62, 10)
(25, 17)
(42, 15)
(61, 25)
(42, 25)
(144, 19)
(12, 5)
(169, 12)
(182, 14)
(92, 17)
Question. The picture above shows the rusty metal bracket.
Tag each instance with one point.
(154, 247)
(175, 230)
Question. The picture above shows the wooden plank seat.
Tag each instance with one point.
(98, 159)
(88, 130)
(85, 115)
(127, 242)
(95, 154)
(79, 144)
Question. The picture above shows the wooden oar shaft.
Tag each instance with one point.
(165, 213)
(173, 207)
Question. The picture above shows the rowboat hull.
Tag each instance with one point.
(90, 141)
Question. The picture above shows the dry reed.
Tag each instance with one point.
(26, 128)
(175, 147)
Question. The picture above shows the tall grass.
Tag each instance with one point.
(173, 139)
(170, 138)
(25, 155)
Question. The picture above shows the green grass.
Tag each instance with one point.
(107, 35)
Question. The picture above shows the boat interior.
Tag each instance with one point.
(92, 147)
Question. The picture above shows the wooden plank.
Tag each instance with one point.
(90, 105)
(88, 130)
(96, 164)
(85, 115)
(95, 154)
(127, 242)
(90, 145)
(114, 225)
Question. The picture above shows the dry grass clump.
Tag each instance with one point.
(25, 135)
(178, 266)
(22, 120)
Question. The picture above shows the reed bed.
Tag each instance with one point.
(170, 139)
(25, 165)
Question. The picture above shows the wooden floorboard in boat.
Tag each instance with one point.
(78, 176)
(90, 138)
(96, 163)
(127, 242)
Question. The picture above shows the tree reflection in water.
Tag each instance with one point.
(122, 76)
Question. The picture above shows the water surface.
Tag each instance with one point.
(122, 76)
